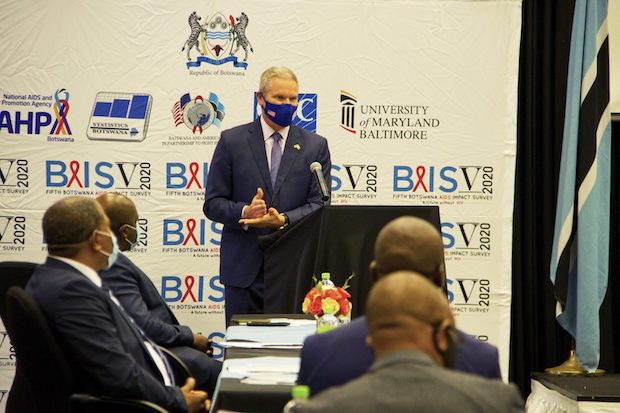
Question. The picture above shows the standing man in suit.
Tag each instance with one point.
(107, 352)
(259, 181)
(139, 297)
(413, 337)
(406, 243)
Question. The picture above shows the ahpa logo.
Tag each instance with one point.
(13, 174)
(217, 40)
(347, 111)
(181, 175)
(198, 114)
(469, 179)
(35, 121)
(192, 288)
(306, 114)
(102, 175)
(191, 232)
(470, 292)
(118, 116)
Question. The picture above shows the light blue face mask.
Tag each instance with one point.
(112, 256)
(133, 245)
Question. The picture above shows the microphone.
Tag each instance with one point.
(317, 169)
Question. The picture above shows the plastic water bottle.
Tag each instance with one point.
(326, 282)
(301, 394)
(327, 322)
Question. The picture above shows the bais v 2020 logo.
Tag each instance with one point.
(82, 177)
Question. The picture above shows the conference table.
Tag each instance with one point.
(260, 362)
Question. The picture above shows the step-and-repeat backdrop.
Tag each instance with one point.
(417, 99)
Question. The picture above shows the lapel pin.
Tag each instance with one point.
(297, 146)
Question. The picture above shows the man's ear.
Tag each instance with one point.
(373, 271)
(441, 335)
(92, 241)
(123, 232)
(369, 341)
(260, 99)
(439, 278)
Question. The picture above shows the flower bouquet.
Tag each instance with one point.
(329, 304)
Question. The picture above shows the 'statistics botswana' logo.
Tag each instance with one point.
(198, 113)
(217, 41)
(118, 116)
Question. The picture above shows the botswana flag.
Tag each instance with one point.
(579, 260)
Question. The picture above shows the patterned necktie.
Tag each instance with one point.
(276, 157)
(146, 339)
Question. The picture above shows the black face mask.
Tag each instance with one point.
(448, 356)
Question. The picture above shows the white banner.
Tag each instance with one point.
(417, 99)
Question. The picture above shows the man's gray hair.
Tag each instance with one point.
(280, 72)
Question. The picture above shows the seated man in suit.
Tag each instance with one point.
(144, 304)
(406, 243)
(108, 353)
(413, 337)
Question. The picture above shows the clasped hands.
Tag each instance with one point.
(257, 215)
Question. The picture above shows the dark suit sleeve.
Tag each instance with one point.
(314, 201)
(123, 278)
(218, 205)
(307, 362)
(83, 320)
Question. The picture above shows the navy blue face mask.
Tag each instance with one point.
(279, 114)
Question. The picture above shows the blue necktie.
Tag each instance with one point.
(276, 157)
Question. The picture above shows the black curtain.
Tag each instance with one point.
(537, 341)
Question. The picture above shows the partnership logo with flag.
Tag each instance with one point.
(580, 255)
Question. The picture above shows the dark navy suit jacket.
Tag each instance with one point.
(141, 300)
(337, 357)
(105, 349)
(239, 166)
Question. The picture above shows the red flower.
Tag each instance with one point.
(332, 293)
(345, 307)
(316, 306)
(343, 292)
(313, 292)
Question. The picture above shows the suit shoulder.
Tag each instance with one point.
(343, 336)
(470, 344)
(121, 268)
(314, 137)
(238, 131)
(470, 384)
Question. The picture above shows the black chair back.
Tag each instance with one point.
(40, 360)
(16, 273)
(13, 273)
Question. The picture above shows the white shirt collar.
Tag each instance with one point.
(83, 268)
(268, 130)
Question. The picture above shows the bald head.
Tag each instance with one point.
(411, 244)
(69, 223)
(123, 216)
(402, 309)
